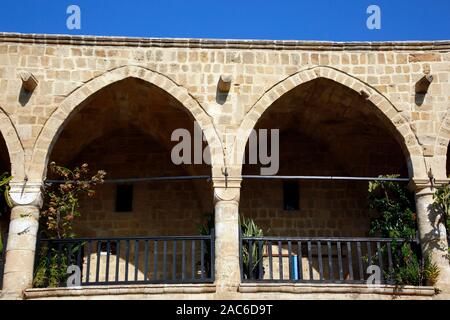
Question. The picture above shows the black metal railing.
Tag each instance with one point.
(320, 259)
(2, 259)
(126, 260)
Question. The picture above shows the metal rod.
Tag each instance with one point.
(144, 179)
(326, 178)
(207, 177)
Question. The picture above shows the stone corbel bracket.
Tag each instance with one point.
(29, 81)
(224, 83)
(423, 84)
(26, 194)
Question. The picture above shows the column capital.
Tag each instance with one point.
(227, 189)
(423, 186)
(26, 193)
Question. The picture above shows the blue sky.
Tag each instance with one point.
(338, 20)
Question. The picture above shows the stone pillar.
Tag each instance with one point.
(21, 246)
(227, 264)
(432, 233)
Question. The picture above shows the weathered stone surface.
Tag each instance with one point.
(102, 86)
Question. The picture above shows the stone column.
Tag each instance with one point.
(227, 264)
(21, 246)
(432, 233)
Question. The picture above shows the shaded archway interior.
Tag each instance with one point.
(448, 162)
(125, 129)
(325, 129)
(5, 166)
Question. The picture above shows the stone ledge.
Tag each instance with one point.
(307, 288)
(59, 39)
(114, 290)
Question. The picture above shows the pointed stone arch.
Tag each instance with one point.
(14, 146)
(61, 116)
(388, 112)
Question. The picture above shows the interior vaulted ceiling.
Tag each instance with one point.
(340, 121)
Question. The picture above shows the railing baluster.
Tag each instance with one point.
(164, 260)
(213, 254)
(369, 253)
(108, 249)
(79, 262)
(339, 252)
(183, 259)
(319, 254)
(350, 260)
(48, 258)
(97, 268)
(330, 261)
(155, 260)
(59, 258)
(310, 262)
(117, 259)
(88, 263)
(389, 253)
(269, 252)
(299, 260)
(250, 259)
(193, 259)
(136, 259)
(146, 260)
(291, 271)
(69, 254)
(280, 259)
(202, 259)
(127, 258)
(380, 259)
(360, 262)
(260, 257)
(174, 261)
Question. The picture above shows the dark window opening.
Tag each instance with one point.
(290, 196)
(124, 198)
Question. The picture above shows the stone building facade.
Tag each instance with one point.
(343, 109)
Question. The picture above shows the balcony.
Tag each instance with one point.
(125, 261)
(321, 260)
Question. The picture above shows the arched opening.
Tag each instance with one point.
(447, 164)
(5, 212)
(125, 129)
(326, 129)
(5, 168)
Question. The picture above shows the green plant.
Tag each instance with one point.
(250, 229)
(397, 219)
(51, 270)
(61, 207)
(411, 270)
(205, 229)
(61, 201)
(5, 202)
(207, 225)
(442, 203)
(396, 209)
